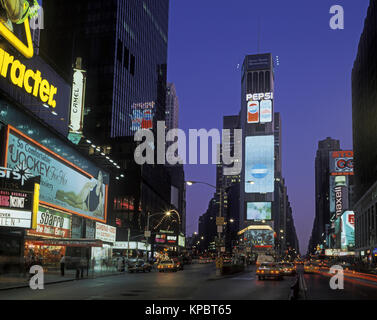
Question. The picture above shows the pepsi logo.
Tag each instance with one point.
(259, 171)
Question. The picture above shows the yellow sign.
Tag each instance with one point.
(27, 50)
(27, 79)
(37, 188)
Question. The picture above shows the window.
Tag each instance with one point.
(126, 60)
(132, 65)
(120, 53)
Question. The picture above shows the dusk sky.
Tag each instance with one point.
(208, 39)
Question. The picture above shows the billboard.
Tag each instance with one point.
(105, 232)
(259, 164)
(64, 186)
(253, 112)
(52, 223)
(341, 163)
(258, 211)
(262, 238)
(338, 194)
(348, 230)
(266, 111)
(142, 116)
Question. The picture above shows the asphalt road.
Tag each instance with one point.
(194, 283)
(318, 288)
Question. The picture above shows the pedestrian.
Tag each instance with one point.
(62, 265)
(82, 266)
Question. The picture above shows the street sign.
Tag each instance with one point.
(222, 249)
(219, 229)
(147, 234)
(220, 221)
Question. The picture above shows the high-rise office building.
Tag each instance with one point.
(364, 115)
(172, 107)
(256, 121)
(322, 191)
(123, 45)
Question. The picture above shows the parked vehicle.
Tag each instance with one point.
(167, 265)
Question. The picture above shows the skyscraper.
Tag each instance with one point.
(322, 190)
(123, 49)
(364, 115)
(172, 107)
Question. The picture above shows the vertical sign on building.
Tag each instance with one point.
(77, 103)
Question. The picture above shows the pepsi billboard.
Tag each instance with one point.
(259, 164)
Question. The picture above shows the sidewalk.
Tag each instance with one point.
(13, 281)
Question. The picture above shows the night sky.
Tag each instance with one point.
(208, 39)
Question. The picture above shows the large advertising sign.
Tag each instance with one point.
(253, 112)
(266, 111)
(341, 163)
(259, 107)
(64, 186)
(262, 238)
(142, 116)
(52, 223)
(259, 164)
(348, 230)
(15, 218)
(258, 211)
(338, 194)
(77, 105)
(105, 232)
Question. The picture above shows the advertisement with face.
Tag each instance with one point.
(259, 164)
(258, 211)
(63, 185)
(348, 230)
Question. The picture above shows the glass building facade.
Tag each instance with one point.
(123, 45)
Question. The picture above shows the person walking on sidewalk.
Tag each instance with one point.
(62, 265)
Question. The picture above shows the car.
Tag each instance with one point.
(139, 266)
(167, 265)
(179, 263)
(287, 269)
(310, 268)
(269, 270)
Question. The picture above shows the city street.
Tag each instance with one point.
(196, 282)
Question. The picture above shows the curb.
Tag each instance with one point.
(60, 281)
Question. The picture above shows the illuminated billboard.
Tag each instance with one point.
(259, 164)
(258, 211)
(142, 116)
(266, 111)
(64, 186)
(252, 112)
(262, 238)
(341, 163)
(338, 194)
(348, 230)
